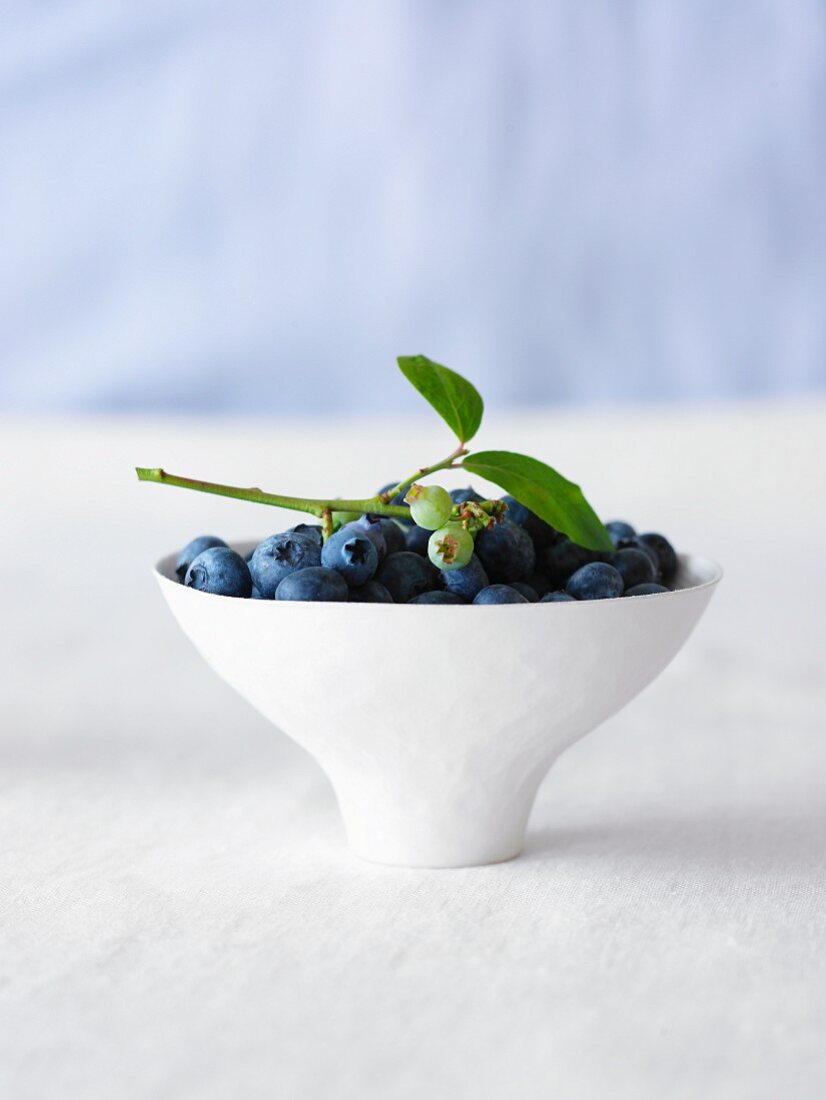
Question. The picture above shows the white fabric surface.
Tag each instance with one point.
(180, 917)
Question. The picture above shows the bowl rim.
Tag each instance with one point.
(702, 564)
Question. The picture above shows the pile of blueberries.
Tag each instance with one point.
(374, 559)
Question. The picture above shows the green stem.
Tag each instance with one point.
(377, 505)
(445, 464)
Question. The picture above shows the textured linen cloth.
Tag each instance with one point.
(180, 914)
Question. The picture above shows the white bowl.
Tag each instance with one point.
(436, 725)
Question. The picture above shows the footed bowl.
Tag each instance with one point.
(436, 725)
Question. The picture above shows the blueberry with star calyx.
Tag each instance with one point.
(351, 553)
(279, 555)
(430, 505)
(451, 547)
(220, 571)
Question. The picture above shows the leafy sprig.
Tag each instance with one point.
(548, 494)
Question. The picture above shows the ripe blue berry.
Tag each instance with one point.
(191, 551)
(557, 597)
(462, 496)
(665, 552)
(596, 581)
(405, 575)
(542, 534)
(562, 560)
(220, 571)
(451, 547)
(466, 582)
(506, 552)
(372, 528)
(416, 539)
(278, 556)
(351, 553)
(438, 597)
(530, 594)
(370, 592)
(646, 590)
(619, 530)
(315, 583)
(394, 533)
(499, 593)
(634, 566)
(430, 505)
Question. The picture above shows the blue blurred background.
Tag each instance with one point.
(254, 206)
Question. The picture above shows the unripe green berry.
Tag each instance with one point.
(451, 547)
(430, 505)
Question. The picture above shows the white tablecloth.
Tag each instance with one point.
(180, 916)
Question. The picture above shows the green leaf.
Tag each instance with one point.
(546, 492)
(454, 399)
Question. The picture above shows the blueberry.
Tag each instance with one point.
(315, 583)
(506, 552)
(394, 533)
(352, 553)
(542, 533)
(619, 530)
(405, 575)
(220, 571)
(636, 543)
(310, 530)
(466, 582)
(191, 551)
(557, 597)
(595, 581)
(462, 496)
(370, 592)
(499, 593)
(278, 556)
(530, 594)
(416, 539)
(634, 566)
(539, 583)
(646, 589)
(256, 595)
(665, 552)
(371, 527)
(563, 559)
(438, 596)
